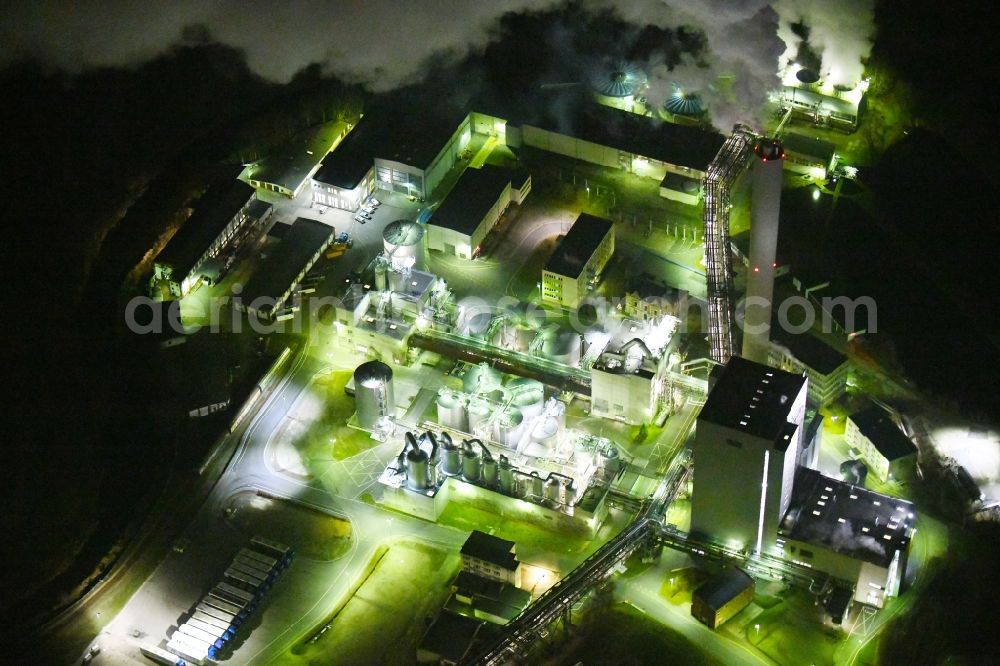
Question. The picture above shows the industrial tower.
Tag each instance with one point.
(766, 202)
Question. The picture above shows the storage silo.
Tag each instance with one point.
(471, 462)
(417, 464)
(373, 393)
(608, 461)
(508, 427)
(528, 395)
(553, 490)
(507, 485)
(489, 471)
(479, 414)
(544, 437)
(401, 239)
(563, 347)
(535, 484)
(451, 410)
(451, 457)
(481, 379)
(381, 275)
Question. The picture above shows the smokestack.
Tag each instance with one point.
(766, 202)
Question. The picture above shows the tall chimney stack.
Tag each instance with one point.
(765, 204)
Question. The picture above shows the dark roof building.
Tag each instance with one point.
(578, 245)
(492, 549)
(472, 198)
(745, 388)
(806, 145)
(286, 265)
(875, 424)
(722, 596)
(847, 519)
(810, 350)
(449, 639)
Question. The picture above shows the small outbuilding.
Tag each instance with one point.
(721, 597)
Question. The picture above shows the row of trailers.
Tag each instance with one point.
(216, 619)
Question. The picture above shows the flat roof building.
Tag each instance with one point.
(808, 155)
(220, 218)
(747, 444)
(882, 445)
(574, 269)
(721, 597)
(805, 353)
(849, 532)
(491, 557)
(490, 600)
(271, 285)
(473, 208)
(448, 640)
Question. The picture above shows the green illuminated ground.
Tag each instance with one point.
(310, 533)
(791, 633)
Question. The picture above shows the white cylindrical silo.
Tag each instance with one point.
(373, 393)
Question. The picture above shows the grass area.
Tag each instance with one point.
(623, 635)
(384, 619)
(311, 533)
(531, 536)
(678, 586)
(791, 632)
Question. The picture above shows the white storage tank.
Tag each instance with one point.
(507, 485)
(508, 427)
(563, 347)
(535, 485)
(471, 463)
(544, 437)
(373, 393)
(479, 414)
(451, 458)
(451, 410)
(528, 395)
(481, 379)
(401, 239)
(490, 472)
(553, 490)
(417, 464)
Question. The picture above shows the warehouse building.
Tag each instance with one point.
(473, 208)
(804, 353)
(226, 213)
(491, 557)
(882, 445)
(848, 532)
(721, 597)
(267, 291)
(574, 269)
(747, 442)
(809, 156)
(289, 172)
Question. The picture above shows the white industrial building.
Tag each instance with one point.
(746, 450)
(804, 353)
(880, 443)
(492, 558)
(475, 205)
(574, 269)
(848, 532)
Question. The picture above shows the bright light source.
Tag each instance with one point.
(816, 194)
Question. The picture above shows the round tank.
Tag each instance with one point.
(490, 472)
(608, 461)
(514, 336)
(416, 469)
(508, 427)
(479, 413)
(535, 485)
(807, 76)
(451, 411)
(563, 347)
(451, 459)
(506, 476)
(528, 395)
(480, 379)
(373, 393)
(402, 238)
(544, 437)
(618, 85)
(471, 464)
(553, 490)
(496, 395)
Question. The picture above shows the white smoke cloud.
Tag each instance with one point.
(840, 32)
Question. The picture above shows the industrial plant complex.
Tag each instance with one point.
(515, 361)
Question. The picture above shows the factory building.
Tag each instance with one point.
(225, 215)
(574, 269)
(814, 102)
(629, 378)
(611, 138)
(747, 443)
(804, 353)
(290, 172)
(448, 640)
(808, 155)
(492, 558)
(473, 208)
(648, 299)
(848, 532)
(487, 599)
(680, 187)
(721, 597)
(267, 291)
(881, 444)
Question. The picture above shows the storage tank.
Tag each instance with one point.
(506, 476)
(451, 457)
(508, 427)
(373, 393)
(417, 464)
(480, 379)
(471, 462)
(479, 413)
(513, 336)
(381, 275)
(563, 347)
(535, 485)
(451, 410)
(401, 239)
(528, 395)
(619, 85)
(608, 461)
(544, 437)
(553, 490)
(490, 472)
